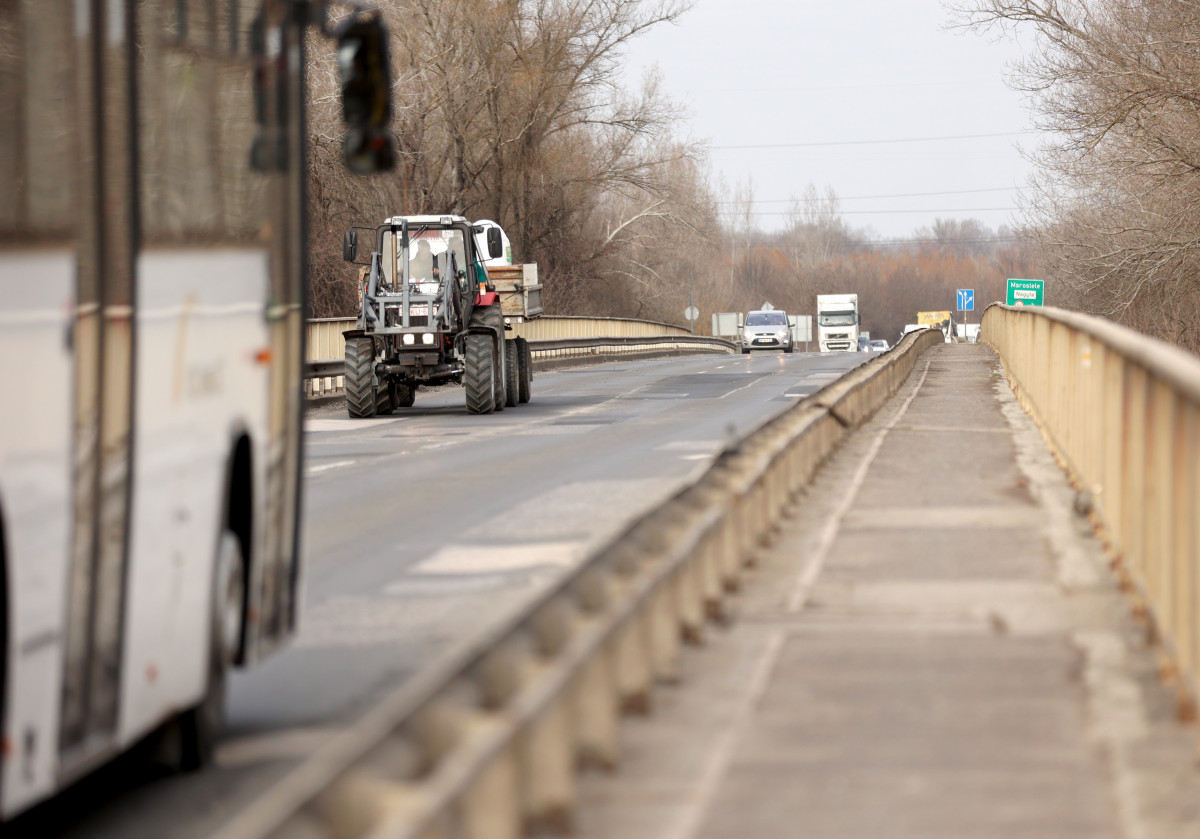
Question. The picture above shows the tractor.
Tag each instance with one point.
(431, 315)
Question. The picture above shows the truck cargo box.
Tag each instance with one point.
(520, 292)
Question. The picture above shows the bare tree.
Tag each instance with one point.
(514, 110)
(815, 230)
(1117, 82)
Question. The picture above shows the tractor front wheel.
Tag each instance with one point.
(361, 390)
(479, 373)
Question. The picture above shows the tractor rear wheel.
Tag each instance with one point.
(493, 318)
(512, 372)
(498, 374)
(361, 398)
(524, 370)
(479, 373)
(383, 401)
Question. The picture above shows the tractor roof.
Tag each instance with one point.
(442, 219)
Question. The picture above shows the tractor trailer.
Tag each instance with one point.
(837, 322)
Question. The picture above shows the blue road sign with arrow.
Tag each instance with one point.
(966, 299)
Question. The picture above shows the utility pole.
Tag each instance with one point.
(691, 308)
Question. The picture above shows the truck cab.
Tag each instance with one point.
(837, 322)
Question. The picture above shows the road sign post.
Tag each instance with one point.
(1025, 292)
(966, 303)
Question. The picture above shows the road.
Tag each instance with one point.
(424, 528)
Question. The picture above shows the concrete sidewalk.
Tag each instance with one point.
(932, 647)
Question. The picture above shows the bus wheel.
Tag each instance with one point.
(201, 726)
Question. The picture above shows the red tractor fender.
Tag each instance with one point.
(486, 298)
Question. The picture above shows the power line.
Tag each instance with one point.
(871, 243)
(896, 212)
(871, 197)
(868, 243)
(868, 86)
(876, 142)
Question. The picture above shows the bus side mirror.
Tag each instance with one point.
(495, 245)
(350, 245)
(366, 94)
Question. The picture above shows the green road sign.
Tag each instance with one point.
(1025, 292)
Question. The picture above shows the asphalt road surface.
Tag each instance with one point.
(423, 529)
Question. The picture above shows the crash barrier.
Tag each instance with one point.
(325, 355)
(1121, 411)
(549, 338)
(485, 742)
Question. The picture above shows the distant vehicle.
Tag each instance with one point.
(864, 342)
(766, 329)
(879, 345)
(968, 332)
(837, 322)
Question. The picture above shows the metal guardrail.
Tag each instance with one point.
(549, 337)
(485, 743)
(1122, 413)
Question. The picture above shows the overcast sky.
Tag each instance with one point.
(849, 74)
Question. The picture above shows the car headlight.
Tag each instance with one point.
(781, 334)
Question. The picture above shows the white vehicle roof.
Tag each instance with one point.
(444, 219)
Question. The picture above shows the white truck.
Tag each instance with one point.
(837, 322)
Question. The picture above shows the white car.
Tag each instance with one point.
(766, 329)
(879, 345)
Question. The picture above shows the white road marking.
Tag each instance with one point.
(491, 559)
(752, 383)
(347, 424)
(691, 446)
(570, 428)
(325, 467)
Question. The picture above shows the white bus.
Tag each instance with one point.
(152, 275)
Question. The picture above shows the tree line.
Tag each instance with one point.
(1116, 87)
(517, 111)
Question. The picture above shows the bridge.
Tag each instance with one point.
(945, 591)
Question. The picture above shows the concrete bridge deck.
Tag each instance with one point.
(932, 646)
